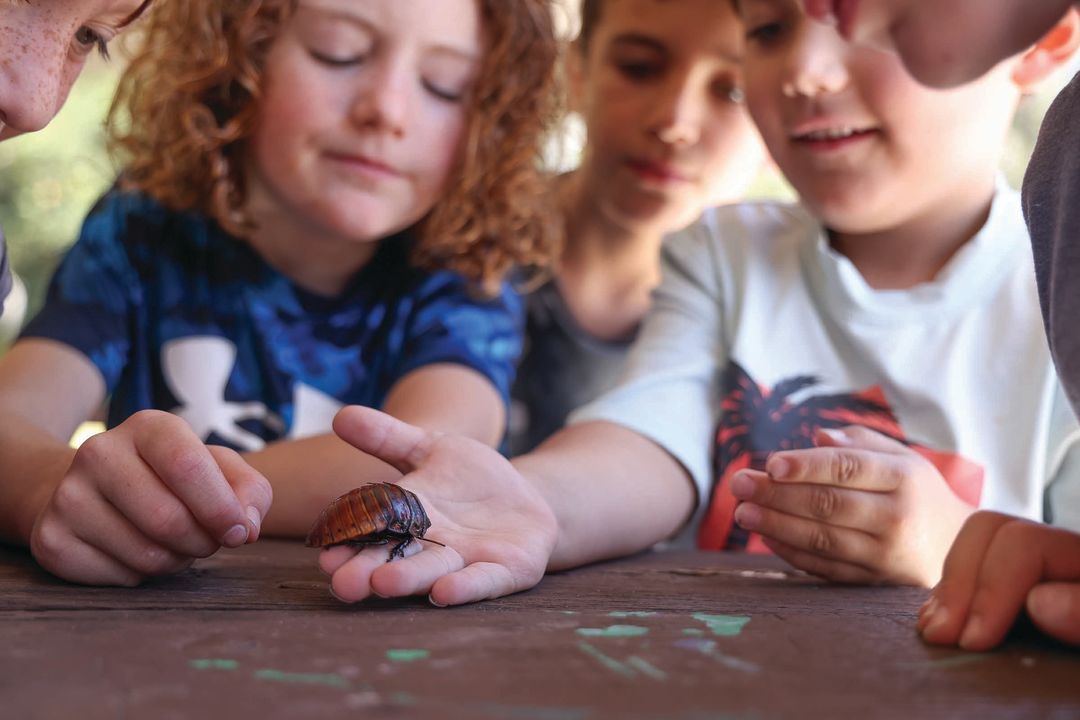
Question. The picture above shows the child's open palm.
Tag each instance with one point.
(498, 530)
(859, 508)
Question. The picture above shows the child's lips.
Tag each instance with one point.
(833, 137)
(365, 164)
(658, 172)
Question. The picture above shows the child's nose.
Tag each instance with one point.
(816, 63)
(680, 114)
(384, 103)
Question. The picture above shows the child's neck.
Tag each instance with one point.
(313, 260)
(607, 270)
(915, 252)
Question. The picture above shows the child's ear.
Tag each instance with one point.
(1053, 50)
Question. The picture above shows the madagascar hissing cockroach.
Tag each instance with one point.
(374, 514)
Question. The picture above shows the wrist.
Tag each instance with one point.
(26, 502)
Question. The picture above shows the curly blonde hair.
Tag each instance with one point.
(188, 103)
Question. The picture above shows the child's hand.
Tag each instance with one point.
(498, 530)
(146, 498)
(997, 566)
(859, 508)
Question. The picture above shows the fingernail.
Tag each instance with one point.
(338, 597)
(926, 612)
(972, 632)
(777, 467)
(254, 516)
(748, 516)
(431, 600)
(935, 621)
(237, 536)
(836, 435)
(1045, 606)
(742, 486)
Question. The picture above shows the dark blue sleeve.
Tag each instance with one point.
(451, 326)
(90, 301)
(5, 273)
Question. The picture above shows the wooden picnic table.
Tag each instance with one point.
(254, 633)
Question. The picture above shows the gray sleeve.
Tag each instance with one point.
(5, 273)
(668, 390)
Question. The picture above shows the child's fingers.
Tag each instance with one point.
(186, 466)
(822, 567)
(1055, 609)
(822, 539)
(399, 444)
(416, 574)
(351, 581)
(107, 485)
(251, 488)
(476, 582)
(331, 558)
(870, 512)
(859, 437)
(69, 558)
(1021, 555)
(852, 468)
(115, 536)
(945, 613)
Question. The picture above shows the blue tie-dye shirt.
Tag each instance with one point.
(180, 316)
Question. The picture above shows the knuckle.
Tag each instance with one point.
(824, 502)
(186, 461)
(48, 544)
(169, 522)
(893, 520)
(821, 541)
(151, 560)
(845, 468)
(94, 452)
(68, 499)
(1018, 533)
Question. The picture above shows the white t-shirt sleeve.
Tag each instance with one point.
(668, 391)
(1063, 465)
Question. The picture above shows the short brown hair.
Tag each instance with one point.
(191, 97)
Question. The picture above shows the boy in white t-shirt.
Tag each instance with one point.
(878, 346)
(1000, 565)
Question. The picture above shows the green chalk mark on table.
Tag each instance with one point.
(723, 625)
(614, 631)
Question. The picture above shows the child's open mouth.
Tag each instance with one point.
(834, 137)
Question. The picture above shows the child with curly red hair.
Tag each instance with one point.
(320, 201)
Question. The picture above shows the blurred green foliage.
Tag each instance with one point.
(50, 179)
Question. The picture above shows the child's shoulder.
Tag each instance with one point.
(134, 218)
(746, 232)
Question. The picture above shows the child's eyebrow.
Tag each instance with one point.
(632, 39)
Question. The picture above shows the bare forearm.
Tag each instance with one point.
(613, 492)
(32, 462)
(307, 474)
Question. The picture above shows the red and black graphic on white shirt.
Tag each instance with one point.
(756, 421)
